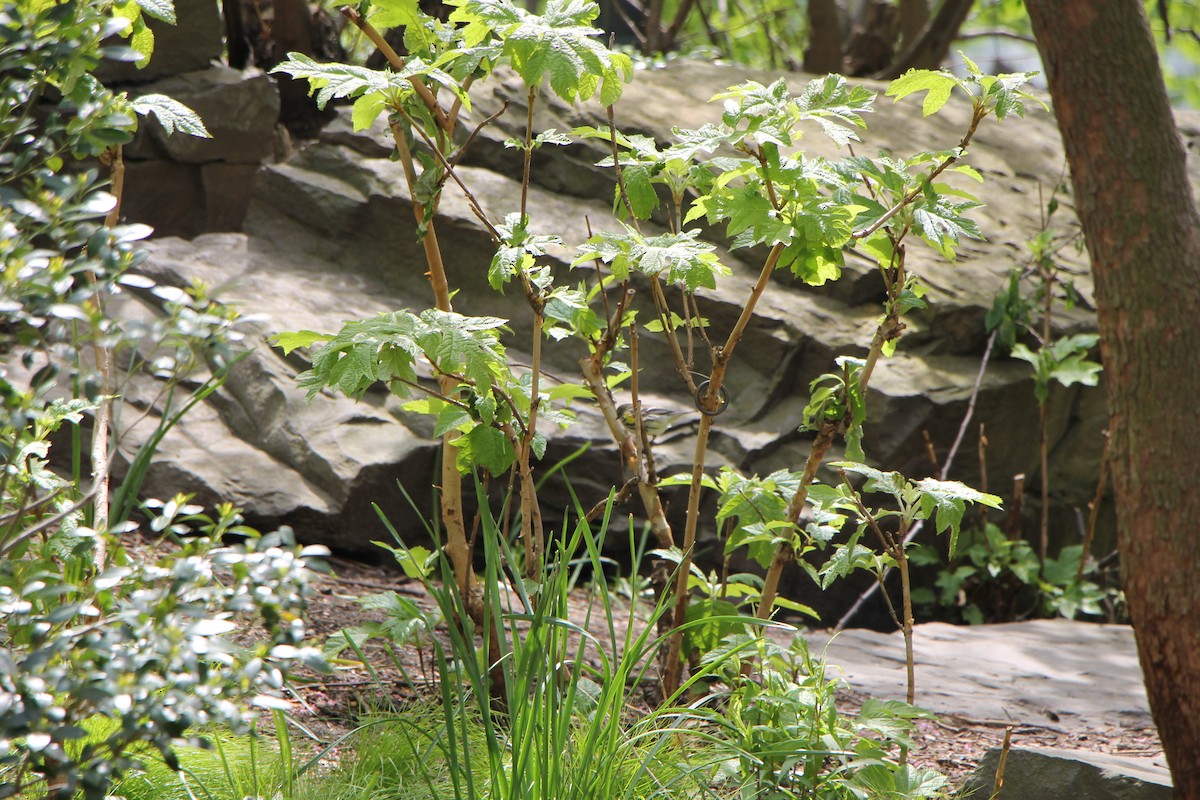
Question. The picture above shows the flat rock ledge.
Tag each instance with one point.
(1052, 774)
(1057, 674)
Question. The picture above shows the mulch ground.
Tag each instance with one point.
(952, 744)
(328, 706)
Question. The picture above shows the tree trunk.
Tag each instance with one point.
(914, 16)
(930, 49)
(1143, 235)
(825, 34)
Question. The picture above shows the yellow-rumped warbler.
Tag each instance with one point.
(655, 421)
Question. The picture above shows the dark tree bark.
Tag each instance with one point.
(871, 45)
(914, 16)
(930, 49)
(825, 34)
(1143, 235)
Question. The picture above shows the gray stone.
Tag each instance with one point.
(191, 44)
(1055, 774)
(239, 108)
(167, 196)
(226, 195)
(318, 465)
(183, 185)
(331, 237)
(1068, 675)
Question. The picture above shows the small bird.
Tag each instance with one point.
(655, 421)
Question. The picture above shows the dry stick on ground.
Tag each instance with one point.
(919, 524)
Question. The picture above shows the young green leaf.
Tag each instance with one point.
(937, 84)
(171, 114)
(390, 13)
(946, 502)
(159, 9)
(560, 45)
(291, 340)
(678, 258)
(486, 447)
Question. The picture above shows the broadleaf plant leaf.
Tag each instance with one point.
(171, 114)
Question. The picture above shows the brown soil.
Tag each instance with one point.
(951, 744)
(329, 705)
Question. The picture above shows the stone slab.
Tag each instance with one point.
(1047, 773)
(1054, 673)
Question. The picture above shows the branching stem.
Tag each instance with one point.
(397, 63)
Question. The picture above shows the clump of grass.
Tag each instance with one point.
(233, 767)
(404, 753)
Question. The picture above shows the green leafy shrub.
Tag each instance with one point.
(146, 645)
(791, 741)
(103, 661)
(518, 659)
(997, 578)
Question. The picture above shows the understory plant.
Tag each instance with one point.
(85, 634)
(997, 575)
(145, 645)
(744, 170)
(1023, 317)
(571, 715)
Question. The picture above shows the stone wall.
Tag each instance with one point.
(328, 237)
(181, 185)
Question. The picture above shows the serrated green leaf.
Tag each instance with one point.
(367, 109)
(936, 97)
(159, 9)
(1076, 369)
(845, 560)
(486, 447)
(449, 417)
(537, 446)
(940, 222)
(570, 308)
(390, 13)
(330, 81)
(460, 344)
(559, 45)
(142, 42)
(938, 84)
(171, 114)
(716, 619)
(945, 502)
(675, 258)
(291, 340)
(639, 190)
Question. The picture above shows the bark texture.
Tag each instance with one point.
(824, 52)
(1143, 235)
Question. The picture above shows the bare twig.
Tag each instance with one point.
(1005, 748)
(1094, 507)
